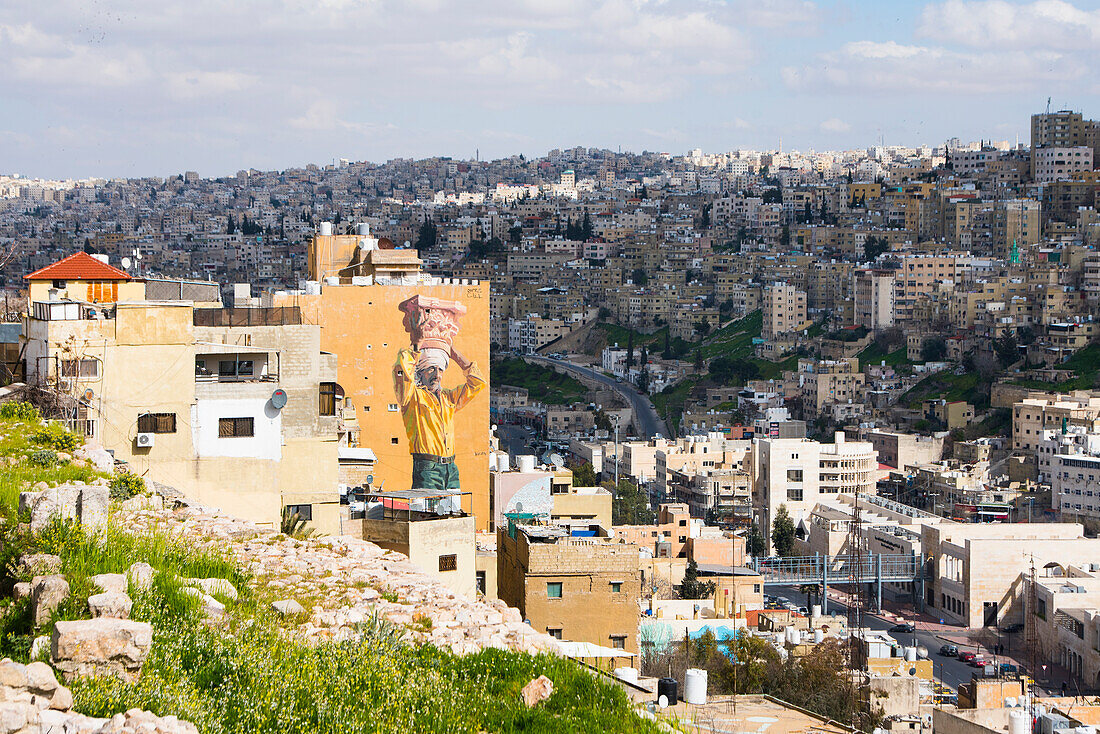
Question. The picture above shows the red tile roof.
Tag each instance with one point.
(80, 266)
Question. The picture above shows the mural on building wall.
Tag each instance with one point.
(427, 407)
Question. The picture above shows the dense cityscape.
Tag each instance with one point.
(808, 437)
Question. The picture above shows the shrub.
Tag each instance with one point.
(55, 437)
(19, 411)
(42, 457)
(126, 485)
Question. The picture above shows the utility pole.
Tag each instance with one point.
(616, 422)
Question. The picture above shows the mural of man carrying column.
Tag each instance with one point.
(428, 409)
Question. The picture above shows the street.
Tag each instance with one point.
(646, 415)
(949, 671)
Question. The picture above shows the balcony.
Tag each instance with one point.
(218, 363)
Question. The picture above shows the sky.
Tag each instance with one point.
(129, 88)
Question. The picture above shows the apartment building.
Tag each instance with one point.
(797, 473)
(1060, 164)
(873, 290)
(236, 408)
(822, 383)
(575, 583)
(367, 316)
(528, 334)
(784, 310)
(1034, 415)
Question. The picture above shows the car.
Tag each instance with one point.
(1013, 627)
(966, 656)
(1008, 669)
(949, 651)
(803, 610)
(904, 627)
(977, 662)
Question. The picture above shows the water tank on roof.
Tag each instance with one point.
(695, 686)
(667, 692)
(326, 229)
(526, 463)
(1019, 722)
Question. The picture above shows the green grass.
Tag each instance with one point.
(1084, 363)
(542, 383)
(735, 338)
(948, 386)
(874, 354)
(251, 674)
(670, 401)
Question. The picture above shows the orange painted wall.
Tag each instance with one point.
(362, 326)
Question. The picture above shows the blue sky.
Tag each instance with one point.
(130, 88)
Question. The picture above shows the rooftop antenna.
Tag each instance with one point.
(1048, 105)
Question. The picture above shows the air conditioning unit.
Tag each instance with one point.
(146, 440)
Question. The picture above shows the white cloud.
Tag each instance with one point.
(1051, 24)
(835, 125)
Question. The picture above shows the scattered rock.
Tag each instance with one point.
(77, 501)
(47, 593)
(101, 646)
(92, 504)
(288, 607)
(52, 503)
(214, 587)
(110, 604)
(537, 690)
(40, 645)
(111, 583)
(38, 564)
(210, 607)
(141, 576)
(22, 589)
(97, 455)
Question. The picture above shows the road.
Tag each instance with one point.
(649, 422)
(950, 671)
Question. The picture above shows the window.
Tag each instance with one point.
(480, 576)
(392, 407)
(618, 642)
(394, 441)
(80, 368)
(756, 588)
(616, 587)
(553, 590)
(794, 475)
(554, 632)
(303, 511)
(157, 423)
(448, 562)
(328, 399)
(235, 368)
(236, 427)
(794, 494)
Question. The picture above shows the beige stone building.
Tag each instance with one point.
(575, 584)
(784, 310)
(826, 382)
(236, 408)
(1033, 415)
(873, 291)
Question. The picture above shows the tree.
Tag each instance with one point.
(785, 237)
(629, 504)
(667, 352)
(1006, 348)
(754, 542)
(702, 327)
(933, 349)
(586, 227)
(643, 193)
(515, 234)
(584, 474)
(426, 237)
(698, 360)
(706, 217)
(630, 349)
(807, 215)
(783, 533)
(231, 228)
(638, 275)
(692, 587)
(873, 247)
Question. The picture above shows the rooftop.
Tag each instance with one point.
(79, 266)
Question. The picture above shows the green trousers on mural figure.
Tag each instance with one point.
(434, 475)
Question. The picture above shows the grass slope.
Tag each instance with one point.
(542, 383)
(250, 674)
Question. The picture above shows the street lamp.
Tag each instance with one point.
(615, 420)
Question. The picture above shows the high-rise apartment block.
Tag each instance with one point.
(784, 310)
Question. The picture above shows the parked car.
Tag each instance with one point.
(1013, 627)
(966, 656)
(1008, 669)
(949, 651)
(977, 662)
(903, 627)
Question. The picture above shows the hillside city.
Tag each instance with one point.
(753, 436)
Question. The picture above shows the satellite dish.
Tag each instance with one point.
(557, 461)
(126, 263)
(278, 398)
(407, 243)
(519, 507)
(369, 480)
(89, 395)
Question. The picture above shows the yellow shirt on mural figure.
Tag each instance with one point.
(430, 419)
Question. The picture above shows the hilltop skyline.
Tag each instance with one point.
(132, 91)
